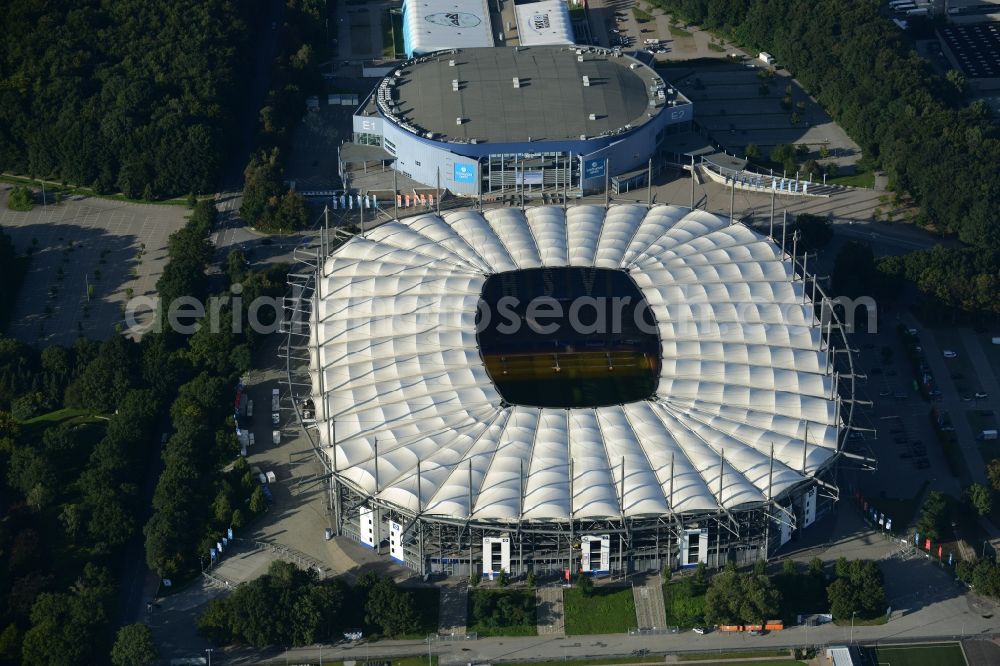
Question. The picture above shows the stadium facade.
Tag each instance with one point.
(478, 121)
(725, 456)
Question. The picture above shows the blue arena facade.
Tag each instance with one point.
(488, 120)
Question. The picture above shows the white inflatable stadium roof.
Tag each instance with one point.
(395, 353)
(434, 25)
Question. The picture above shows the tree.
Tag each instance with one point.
(993, 472)
(854, 273)
(390, 608)
(858, 588)
(816, 566)
(752, 151)
(263, 181)
(258, 503)
(980, 498)
(20, 199)
(735, 598)
(134, 646)
(584, 584)
(933, 520)
(814, 232)
(531, 579)
(788, 567)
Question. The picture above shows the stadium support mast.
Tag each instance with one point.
(732, 201)
(649, 184)
(770, 233)
(607, 188)
(692, 182)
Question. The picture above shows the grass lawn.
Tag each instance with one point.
(52, 187)
(641, 15)
(931, 654)
(765, 662)
(718, 48)
(596, 662)
(502, 612)
(677, 31)
(397, 33)
(388, 43)
(801, 593)
(605, 611)
(738, 654)
(864, 179)
(67, 415)
(684, 601)
(428, 603)
(396, 661)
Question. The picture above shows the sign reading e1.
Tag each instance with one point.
(593, 169)
(465, 173)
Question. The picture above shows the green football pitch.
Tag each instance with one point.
(931, 654)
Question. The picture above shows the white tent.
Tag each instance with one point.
(408, 413)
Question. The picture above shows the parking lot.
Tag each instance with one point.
(88, 256)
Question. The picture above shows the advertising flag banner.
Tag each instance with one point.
(218, 545)
(916, 538)
(940, 552)
(593, 169)
(927, 545)
(211, 553)
(229, 532)
(951, 558)
(464, 173)
(888, 524)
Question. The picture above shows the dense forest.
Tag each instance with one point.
(289, 606)
(121, 95)
(79, 427)
(885, 96)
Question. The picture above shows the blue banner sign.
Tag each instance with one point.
(593, 169)
(465, 173)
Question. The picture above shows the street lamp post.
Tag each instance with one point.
(209, 651)
(853, 613)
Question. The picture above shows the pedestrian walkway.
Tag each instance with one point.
(549, 605)
(454, 608)
(650, 612)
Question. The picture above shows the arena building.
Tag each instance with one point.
(478, 121)
(479, 408)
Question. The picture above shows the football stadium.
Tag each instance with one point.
(573, 389)
(481, 121)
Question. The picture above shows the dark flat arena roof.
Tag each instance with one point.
(551, 103)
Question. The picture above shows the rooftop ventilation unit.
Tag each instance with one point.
(583, 137)
(579, 58)
(458, 121)
(454, 85)
(586, 82)
(451, 63)
(593, 116)
(517, 82)
(634, 65)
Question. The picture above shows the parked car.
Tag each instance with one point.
(949, 354)
(699, 630)
(982, 395)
